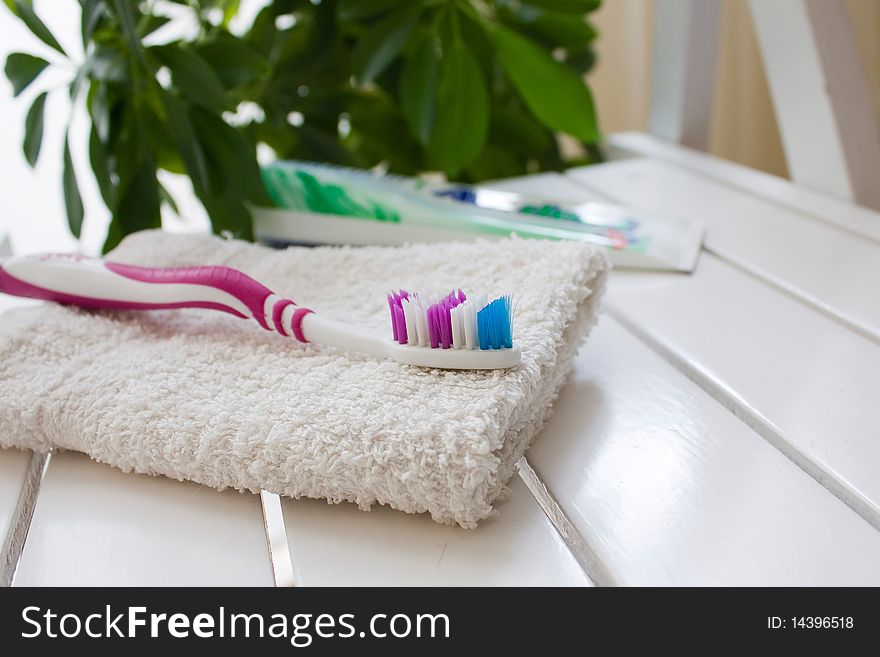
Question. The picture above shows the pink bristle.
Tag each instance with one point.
(434, 326)
(440, 321)
(391, 305)
(398, 319)
(445, 323)
(400, 324)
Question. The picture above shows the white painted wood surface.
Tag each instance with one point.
(341, 545)
(13, 467)
(822, 102)
(810, 204)
(684, 53)
(831, 269)
(670, 488)
(807, 383)
(804, 379)
(95, 525)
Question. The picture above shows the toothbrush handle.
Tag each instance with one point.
(92, 283)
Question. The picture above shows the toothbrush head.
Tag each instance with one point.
(452, 331)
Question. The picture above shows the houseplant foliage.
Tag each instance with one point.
(476, 89)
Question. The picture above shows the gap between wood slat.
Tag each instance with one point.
(576, 544)
(733, 402)
(761, 275)
(13, 544)
(796, 293)
(724, 395)
(276, 540)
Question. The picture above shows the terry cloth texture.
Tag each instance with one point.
(204, 396)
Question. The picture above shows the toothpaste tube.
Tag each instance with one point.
(323, 204)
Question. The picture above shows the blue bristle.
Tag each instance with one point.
(493, 325)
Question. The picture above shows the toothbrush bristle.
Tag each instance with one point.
(453, 321)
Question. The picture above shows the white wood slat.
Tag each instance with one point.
(276, 536)
(829, 268)
(340, 545)
(20, 521)
(13, 468)
(807, 383)
(669, 488)
(807, 202)
(684, 54)
(823, 104)
(804, 380)
(95, 525)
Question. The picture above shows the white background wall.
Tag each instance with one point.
(33, 197)
(31, 201)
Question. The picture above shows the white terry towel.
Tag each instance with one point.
(204, 396)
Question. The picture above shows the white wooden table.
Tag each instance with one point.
(719, 428)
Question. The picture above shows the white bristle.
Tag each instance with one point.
(455, 316)
(468, 324)
(422, 323)
(410, 319)
(462, 325)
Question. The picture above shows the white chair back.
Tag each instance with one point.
(823, 106)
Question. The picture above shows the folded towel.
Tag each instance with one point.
(204, 396)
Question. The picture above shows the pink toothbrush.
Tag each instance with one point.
(450, 332)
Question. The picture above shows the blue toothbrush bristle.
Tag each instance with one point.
(494, 324)
(453, 321)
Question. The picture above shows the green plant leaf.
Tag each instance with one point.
(418, 88)
(262, 34)
(356, 10)
(92, 13)
(125, 15)
(181, 128)
(100, 167)
(22, 69)
(136, 204)
(553, 27)
(33, 129)
(25, 11)
(581, 60)
(382, 42)
(315, 144)
(114, 236)
(322, 32)
(462, 122)
(519, 131)
(231, 158)
(99, 107)
(571, 6)
(234, 62)
(230, 9)
(496, 162)
(166, 198)
(554, 93)
(106, 63)
(72, 199)
(233, 173)
(150, 23)
(193, 76)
